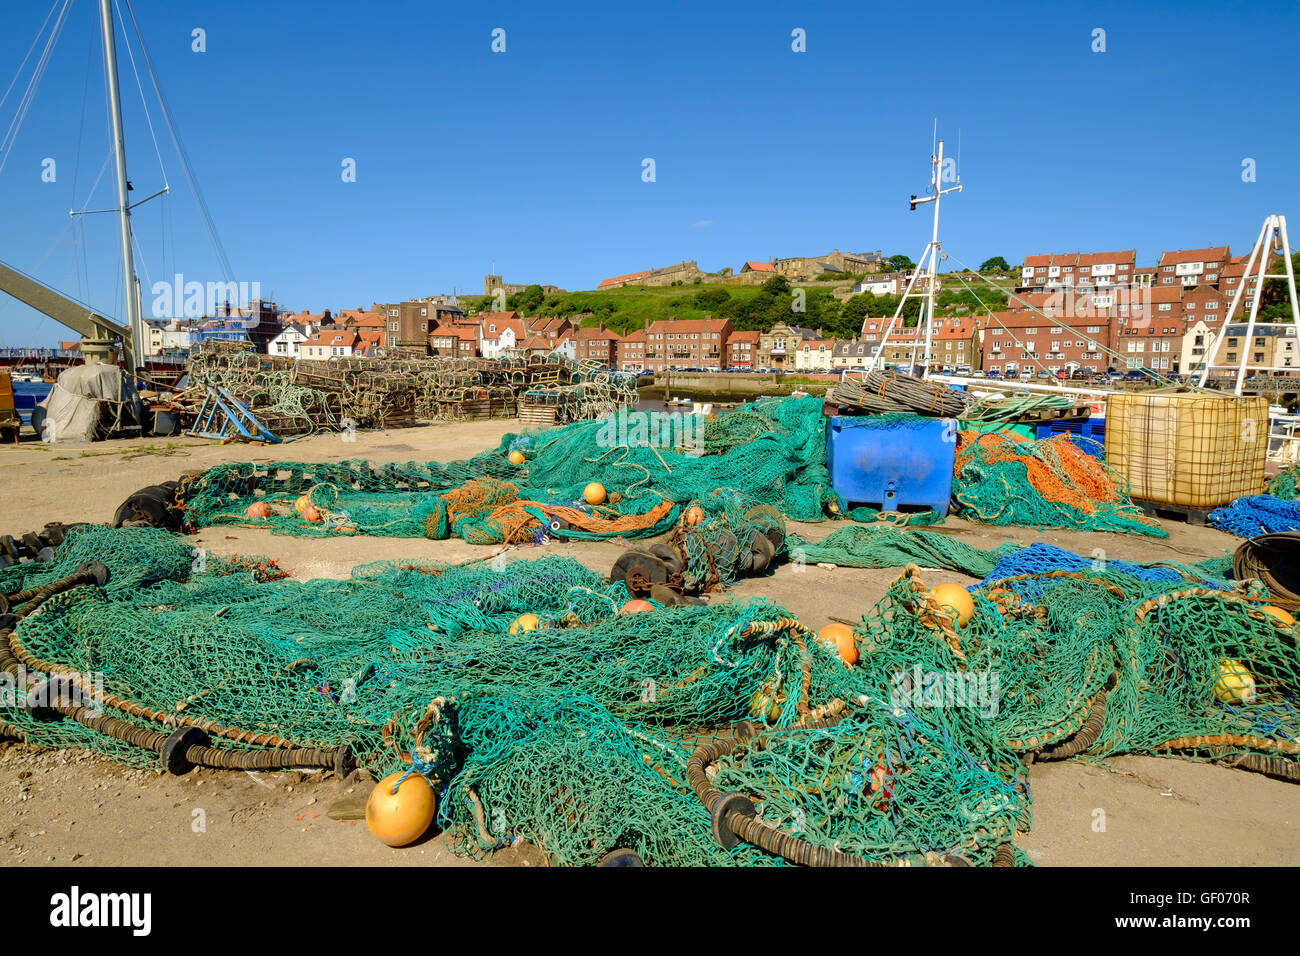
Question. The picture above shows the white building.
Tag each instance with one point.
(567, 347)
(500, 331)
(288, 343)
(327, 344)
(814, 355)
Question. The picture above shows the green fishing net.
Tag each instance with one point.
(575, 736)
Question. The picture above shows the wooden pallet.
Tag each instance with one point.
(537, 415)
(1163, 509)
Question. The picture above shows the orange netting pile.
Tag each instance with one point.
(491, 511)
(1002, 478)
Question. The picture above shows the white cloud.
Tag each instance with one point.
(702, 223)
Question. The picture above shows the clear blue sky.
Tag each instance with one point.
(531, 159)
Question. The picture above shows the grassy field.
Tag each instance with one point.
(820, 305)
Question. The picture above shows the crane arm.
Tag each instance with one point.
(77, 316)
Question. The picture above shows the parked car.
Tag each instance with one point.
(992, 373)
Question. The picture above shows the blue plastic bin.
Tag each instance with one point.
(1094, 428)
(892, 465)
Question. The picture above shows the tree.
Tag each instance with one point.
(527, 302)
(901, 263)
(996, 264)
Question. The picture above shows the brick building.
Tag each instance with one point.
(686, 343)
(1190, 267)
(456, 340)
(599, 345)
(1019, 339)
(1085, 271)
(631, 351)
(742, 350)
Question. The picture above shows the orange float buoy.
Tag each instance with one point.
(954, 598)
(1279, 615)
(311, 513)
(694, 515)
(402, 817)
(525, 622)
(259, 509)
(636, 606)
(594, 493)
(516, 458)
(841, 637)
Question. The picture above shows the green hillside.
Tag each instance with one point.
(748, 307)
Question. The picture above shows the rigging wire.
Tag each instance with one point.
(1055, 320)
(205, 214)
(35, 40)
(29, 94)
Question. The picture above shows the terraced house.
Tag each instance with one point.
(686, 343)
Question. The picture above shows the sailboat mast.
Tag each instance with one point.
(135, 345)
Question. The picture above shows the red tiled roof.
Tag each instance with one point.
(535, 342)
(758, 267)
(330, 337)
(502, 321)
(552, 325)
(743, 337)
(1212, 254)
(1105, 258)
(639, 336)
(689, 325)
(354, 319)
(1161, 293)
(617, 280)
(462, 332)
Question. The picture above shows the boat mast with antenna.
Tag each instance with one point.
(130, 284)
(929, 262)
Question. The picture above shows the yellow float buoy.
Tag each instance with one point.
(594, 493)
(1236, 684)
(955, 599)
(402, 817)
(303, 502)
(516, 458)
(524, 622)
(764, 706)
(841, 637)
(1281, 616)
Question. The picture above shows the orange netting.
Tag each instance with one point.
(1058, 469)
(489, 511)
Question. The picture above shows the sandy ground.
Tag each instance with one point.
(74, 808)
